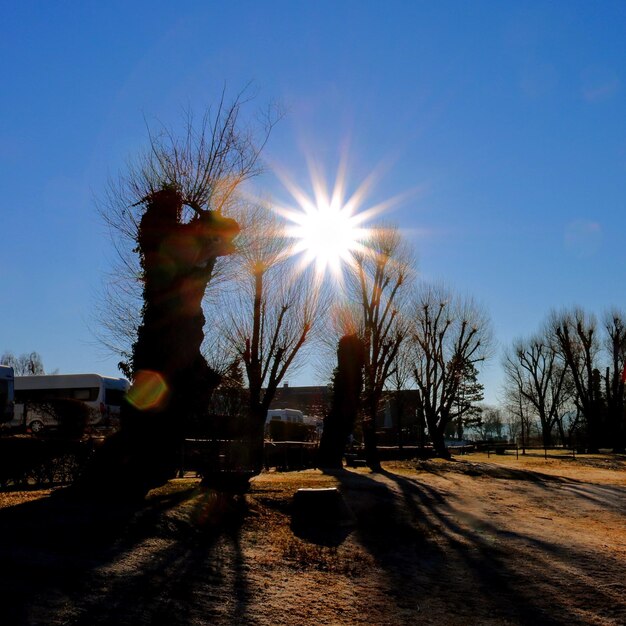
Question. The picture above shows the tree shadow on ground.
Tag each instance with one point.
(490, 470)
(427, 545)
(88, 563)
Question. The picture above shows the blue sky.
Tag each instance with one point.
(509, 119)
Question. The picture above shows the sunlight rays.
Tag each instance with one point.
(326, 229)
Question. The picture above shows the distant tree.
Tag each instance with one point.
(72, 416)
(614, 378)
(519, 412)
(232, 390)
(466, 410)
(27, 364)
(491, 424)
(575, 337)
(228, 406)
(512, 425)
(345, 402)
(448, 334)
(533, 367)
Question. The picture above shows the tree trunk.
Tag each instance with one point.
(369, 440)
(436, 432)
(439, 444)
(347, 386)
(564, 439)
(257, 440)
(172, 381)
(546, 434)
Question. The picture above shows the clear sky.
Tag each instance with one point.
(507, 118)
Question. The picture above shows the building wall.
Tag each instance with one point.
(312, 401)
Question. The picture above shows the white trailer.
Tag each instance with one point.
(285, 415)
(103, 396)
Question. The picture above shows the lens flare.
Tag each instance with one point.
(149, 391)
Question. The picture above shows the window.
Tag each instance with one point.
(85, 394)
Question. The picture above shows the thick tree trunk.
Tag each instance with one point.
(436, 433)
(172, 381)
(257, 440)
(594, 430)
(348, 383)
(546, 434)
(333, 443)
(616, 425)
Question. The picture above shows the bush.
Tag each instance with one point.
(33, 461)
(71, 415)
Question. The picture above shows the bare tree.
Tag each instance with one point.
(169, 206)
(377, 285)
(534, 369)
(491, 424)
(205, 162)
(269, 317)
(27, 364)
(576, 338)
(519, 412)
(614, 377)
(447, 334)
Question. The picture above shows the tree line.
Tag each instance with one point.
(568, 380)
(206, 296)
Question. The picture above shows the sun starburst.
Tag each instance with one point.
(328, 229)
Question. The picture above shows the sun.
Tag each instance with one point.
(328, 235)
(327, 229)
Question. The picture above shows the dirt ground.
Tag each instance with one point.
(472, 541)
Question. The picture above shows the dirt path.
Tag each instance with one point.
(476, 541)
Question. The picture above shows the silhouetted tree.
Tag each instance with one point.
(519, 413)
(614, 378)
(27, 364)
(345, 402)
(448, 333)
(535, 370)
(575, 337)
(206, 159)
(177, 192)
(377, 284)
(466, 412)
(268, 318)
(490, 425)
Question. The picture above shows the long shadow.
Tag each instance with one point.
(425, 544)
(67, 562)
(608, 496)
